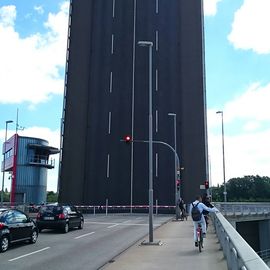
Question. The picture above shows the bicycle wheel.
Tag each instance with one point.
(200, 242)
(200, 246)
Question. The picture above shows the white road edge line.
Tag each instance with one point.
(123, 224)
(112, 226)
(83, 235)
(125, 221)
(28, 254)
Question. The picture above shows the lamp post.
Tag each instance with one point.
(177, 195)
(223, 155)
(149, 44)
(4, 162)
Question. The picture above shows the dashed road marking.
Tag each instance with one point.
(83, 235)
(125, 221)
(28, 254)
(112, 226)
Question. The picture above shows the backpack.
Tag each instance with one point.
(195, 213)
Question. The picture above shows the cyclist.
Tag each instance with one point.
(181, 205)
(206, 201)
(200, 218)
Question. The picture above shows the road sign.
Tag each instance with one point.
(202, 186)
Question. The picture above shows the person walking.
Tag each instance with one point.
(206, 201)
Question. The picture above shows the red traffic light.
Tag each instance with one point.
(178, 185)
(206, 184)
(127, 139)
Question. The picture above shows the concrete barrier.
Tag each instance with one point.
(238, 253)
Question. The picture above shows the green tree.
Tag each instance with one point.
(52, 196)
(6, 197)
(248, 188)
(217, 194)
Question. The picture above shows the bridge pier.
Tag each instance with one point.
(264, 234)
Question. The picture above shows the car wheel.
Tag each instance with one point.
(34, 237)
(4, 243)
(66, 228)
(81, 225)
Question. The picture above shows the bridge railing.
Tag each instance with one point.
(243, 208)
(238, 253)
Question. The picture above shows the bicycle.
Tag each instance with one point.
(206, 220)
(199, 237)
(183, 214)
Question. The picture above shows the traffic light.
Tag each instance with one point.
(127, 138)
(178, 185)
(206, 184)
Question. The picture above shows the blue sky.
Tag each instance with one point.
(237, 60)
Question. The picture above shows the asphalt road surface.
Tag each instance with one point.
(102, 238)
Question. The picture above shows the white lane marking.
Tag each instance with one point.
(108, 166)
(123, 224)
(112, 49)
(156, 121)
(156, 79)
(138, 218)
(28, 254)
(156, 164)
(113, 8)
(125, 221)
(111, 81)
(96, 222)
(136, 224)
(112, 226)
(156, 40)
(83, 235)
(110, 121)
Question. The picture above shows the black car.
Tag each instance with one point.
(56, 216)
(16, 226)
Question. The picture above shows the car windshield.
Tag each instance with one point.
(2, 211)
(2, 214)
(51, 208)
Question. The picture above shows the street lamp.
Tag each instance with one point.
(223, 154)
(4, 162)
(149, 44)
(175, 168)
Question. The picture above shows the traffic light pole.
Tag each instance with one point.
(178, 163)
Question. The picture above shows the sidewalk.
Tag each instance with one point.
(176, 252)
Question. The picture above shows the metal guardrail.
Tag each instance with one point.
(238, 253)
(42, 160)
(264, 254)
(243, 209)
(111, 209)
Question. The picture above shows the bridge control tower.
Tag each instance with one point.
(106, 98)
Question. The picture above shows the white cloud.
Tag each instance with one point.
(245, 154)
(29, 67)
(39, 9)
(248, 151)
(52, 136)
(252, 105)
(7, 15)
(252, 126)
(210, 7)
(250, 28)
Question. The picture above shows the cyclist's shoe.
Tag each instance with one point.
(196, 244)
(204, 235)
